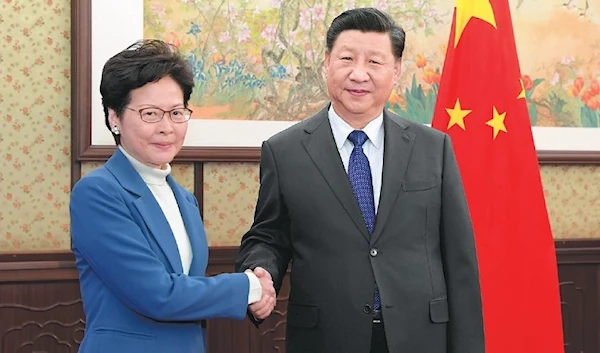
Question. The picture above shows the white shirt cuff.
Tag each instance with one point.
(255, 292)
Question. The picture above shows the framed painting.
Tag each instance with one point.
(258, 68)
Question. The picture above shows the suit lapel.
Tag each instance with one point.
(320, 146)
(193, 226)
(398, 145)
(147, 206)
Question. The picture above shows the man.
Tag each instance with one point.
(370, 209)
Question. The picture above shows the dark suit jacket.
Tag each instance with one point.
(135, 295)
(421, 254)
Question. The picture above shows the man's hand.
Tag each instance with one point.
(263, 308)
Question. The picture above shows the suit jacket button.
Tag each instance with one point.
(367, 309)
(373, 252)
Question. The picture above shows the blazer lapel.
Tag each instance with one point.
(193, 225)
(147, 206)
(320, 146)
(398, 145)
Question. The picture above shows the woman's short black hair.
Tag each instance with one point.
(143, 62)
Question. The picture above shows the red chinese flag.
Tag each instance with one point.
(481, 104)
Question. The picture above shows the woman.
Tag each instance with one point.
(137, 235)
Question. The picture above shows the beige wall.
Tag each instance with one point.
(35, 148)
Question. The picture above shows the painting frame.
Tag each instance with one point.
(81, 103)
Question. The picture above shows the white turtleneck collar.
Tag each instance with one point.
(156, 181)
(150, 175)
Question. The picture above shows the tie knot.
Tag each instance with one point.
(358, 138)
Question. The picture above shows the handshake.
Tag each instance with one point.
(264, 307)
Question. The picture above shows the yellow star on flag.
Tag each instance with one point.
(522, 94)
(497, 122)
(467, 9)
(457, 115)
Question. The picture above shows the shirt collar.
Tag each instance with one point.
(341, 129)
(150, 175)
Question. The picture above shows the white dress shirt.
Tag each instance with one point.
(156, 180)
(373, 147)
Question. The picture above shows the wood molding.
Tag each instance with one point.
(578, 251)
(588, 249)
(568, 157)
(42, 266)
(199, 186)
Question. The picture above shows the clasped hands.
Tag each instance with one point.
(263, 308)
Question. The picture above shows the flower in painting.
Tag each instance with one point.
(172, 38)
(395, 98)
(555, 79)
(318, 13)
(195, 29)
(232, 13)
(309, 53)
(594, 88)
(567, 60)
(224, 37)
(430, 76)
(168, 25)
(578, 83)
(269, 32)
(291, 39)
(158, 9)
(527, 82)
(244, 33)
(382, 5)
(420, 61)
(278, 71)
(305, 19)
(276, 3)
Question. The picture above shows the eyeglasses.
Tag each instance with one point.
(154, 115)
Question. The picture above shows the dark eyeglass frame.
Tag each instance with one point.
(186, 110)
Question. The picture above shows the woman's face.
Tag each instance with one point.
(154, 144)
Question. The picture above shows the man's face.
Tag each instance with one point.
(361, 71)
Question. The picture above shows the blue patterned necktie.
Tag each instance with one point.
(359, 173)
